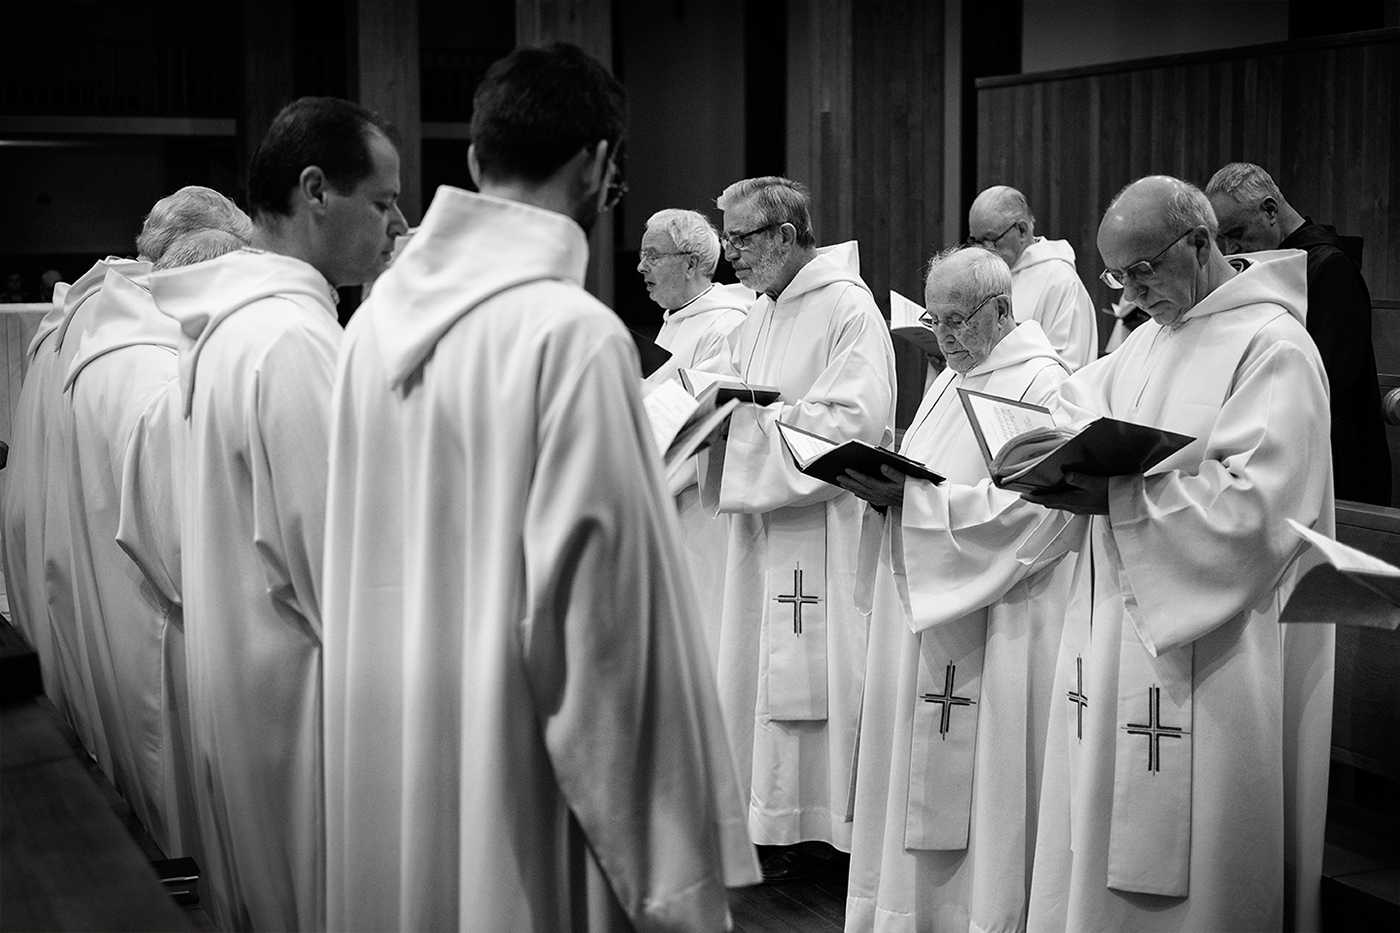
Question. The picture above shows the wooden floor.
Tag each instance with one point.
(815, 905)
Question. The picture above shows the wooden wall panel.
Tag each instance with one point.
(865, 132)
(388, 78)
(1319, 115)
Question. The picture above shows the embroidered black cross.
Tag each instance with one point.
(1077, 695)
(797, 599)
(946, 700)
(1154, 730)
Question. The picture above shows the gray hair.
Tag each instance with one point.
(1244, 183)
(192, 208)
(199, 246)
(971, 274)
(777, 200)
(692, 233)
(1005, 202)
(1185, 207)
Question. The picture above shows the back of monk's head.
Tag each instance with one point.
(199, 246)
(538, 107)
(192, 208)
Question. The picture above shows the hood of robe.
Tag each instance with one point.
(1043, 250)
(1027, 341)
(67, 302)
(733, 297)
(1277, 277)
(200, 297)
(129, 318)
(469, 248)
(838, 263)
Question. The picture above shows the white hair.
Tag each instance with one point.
(192, 208)
(776, 200)
(692, 233)
(971, 274)
(1244, 183)
(198, 246)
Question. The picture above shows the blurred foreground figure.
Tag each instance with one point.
(521, 729)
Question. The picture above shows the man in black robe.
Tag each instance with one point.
(1254, 216)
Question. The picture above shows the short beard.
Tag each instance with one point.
(764, 273)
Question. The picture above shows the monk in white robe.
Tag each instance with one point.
(1046, 287)
(124, 360)
(677, 260)
(1186, 768)
(792, 643)
(521, 731)
(964, 635)
(39, 549)
(258, 344)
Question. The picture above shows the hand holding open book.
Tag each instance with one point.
(827, 460)
(682, 425)
(1027, 452)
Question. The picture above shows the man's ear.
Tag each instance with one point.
(595, 165)
(1201, 241)
(787, 233)
(474, 166)
(1270, 208)
(313, 188)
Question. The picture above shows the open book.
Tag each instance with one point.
(1347, 587)
(826, 460)
(1026, 451)
(682, 425)
(904, 322)
(725, 388)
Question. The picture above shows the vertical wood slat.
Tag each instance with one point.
(387, 47)
(1321, 120)
(587, 24)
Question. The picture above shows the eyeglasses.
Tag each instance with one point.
(740, 241)
(989, 242)
(617, 186)
(954, 323)
(650, 255)
(1138, 271)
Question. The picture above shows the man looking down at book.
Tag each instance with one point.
(1186, 765)
(792, 644)
(964, 632)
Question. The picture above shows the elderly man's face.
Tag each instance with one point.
(1246, 228)
(1167, 286)
(759, 263)
(967, 331)
(664, 268)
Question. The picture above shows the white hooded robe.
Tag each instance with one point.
(1046, 288)
(1192, 796)
(521, 731)
(792, 642)
(257, 356)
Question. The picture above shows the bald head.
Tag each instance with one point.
(1158, 239)
(1000, 219)
(192, 208)
(968, 296)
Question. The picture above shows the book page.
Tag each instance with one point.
(1001, 421)
(1345, 558)
(667, 407)
(698, 382)
(903, 312)
(805, 447)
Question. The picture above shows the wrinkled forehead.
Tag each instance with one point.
(1228, 211)
(741, 216)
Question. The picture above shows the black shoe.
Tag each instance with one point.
(786, 864)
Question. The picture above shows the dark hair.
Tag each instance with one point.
(537, 107)
(327, 132)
